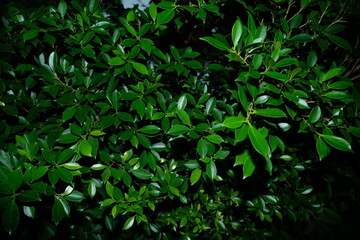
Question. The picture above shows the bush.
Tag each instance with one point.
(211, 120)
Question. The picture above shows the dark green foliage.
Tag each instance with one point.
(214, 120)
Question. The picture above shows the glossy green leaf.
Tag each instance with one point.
(195, 176)
(236, 32)
(321, 148)
(150, 129)
(183, 116)
(315, 114)
(286, 62)
(30, 35)
(242, 158)
(97, 133)
(214, 138)
(62, 7)
(302, 38)
(71, 166)
(215, 42)
(153, 11)
(330, 74)
(276, 75)
(142, 174)
(85, 148)
(248, 168)
(259, 142)
(182, 102)
(178, 129)
(93, 4)
(128, 224)
(210, 104)
(270, 112)
(141, 68)
(116, 61)
(341, 42)
(202, 148)
(29, 211)
(336, 94)
(211, 169)
(311, 59)
(165, 16)
(337, 142)
(233, 122)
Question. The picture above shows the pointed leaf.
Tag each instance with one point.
(195, 176)
(128, 224)
(259, 142)
(142, 174)
(85, 148)
(270, 112)
(233, 122)
(165, 16)
(216, 43)
(10, 217)
(211, 170)
(315, 114)
(248, 168)
(337, 142)
(236, 32)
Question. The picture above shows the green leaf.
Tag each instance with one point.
(192, 164)
(330, 74)
(202, 148)
(39, 172)
(92, 188)
(233, 122)
(174, 191)
(58, 212)
(183, 116)
(355, 131)
(71, 166)
(178, 129)
(214, 138)
(216, 43)
(150, 129)
(15, 179)
(195, 176)
(276, 75)
(270, 112)
(128, 224)
(62, 7)
(141, 68)
(29, 196)
(153, 11)
(97, 133)
(10, 217)
(242, 158)
(312, 59)
(259, 142)
(85, 148)
(30, 35)
(236, 32)
(341, 84)
(337, 142)
(286, 62)
(116, 61)
(182, 102)
(211, 170)
(142, 174)
(29, 211)
(315, 114)
(248, 168)
(336, 94)
(93, 4)
(321, 148)
(165, 16)
(210, 104)
(341, 42)
(302, 38)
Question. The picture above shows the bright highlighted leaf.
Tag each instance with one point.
(315, 114)
(183, 116)
(128, 224)
(71, 166)
(153, 11)
(195, 176)
(182, 102)
(85, 148)
(211, 170)
(62, 7)
(337, 142)
(233, 122)
(236, 32)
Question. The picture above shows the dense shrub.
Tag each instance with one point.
(211, 119)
